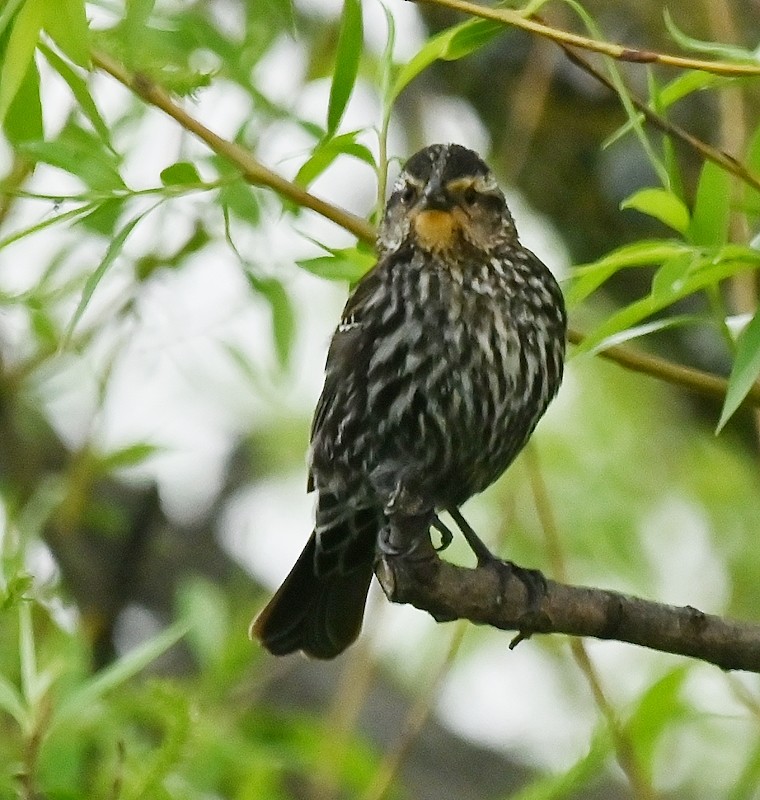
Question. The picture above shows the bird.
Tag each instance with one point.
(447, 354)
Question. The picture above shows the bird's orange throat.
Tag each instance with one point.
(436, 230)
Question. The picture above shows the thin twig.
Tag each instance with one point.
(617, 51)
(253, 171)
(418, 715)
(719, 157)
(705, 383)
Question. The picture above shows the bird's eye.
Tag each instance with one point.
(470, 196)
(408, 193)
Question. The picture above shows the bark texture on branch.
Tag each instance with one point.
(491, 595)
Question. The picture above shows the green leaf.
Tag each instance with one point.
(80, 153)
(637, 331)
(709, 221)
(349, 264)
(12, 702)
(8, 12)
(23, 122)
(203, 606)
(744, 372)
(704, 274)
(327, 151)
(116, 675)
(81, 92)
(283, 316)
(672, 271)
(589, 277)
(47, 223)
(114, 248)
(658, 708)
(718, 49)
(66, 22)
(348, 53)
(661, 204)
(19, 53)
(129, 456)
(450, 45)
(180, 174)
(571, 782)
(686, 84)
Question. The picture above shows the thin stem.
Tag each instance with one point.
(393, 761)
(252, 170)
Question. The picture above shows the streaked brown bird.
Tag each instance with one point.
(447, 354)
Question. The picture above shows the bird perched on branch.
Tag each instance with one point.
(447, 354)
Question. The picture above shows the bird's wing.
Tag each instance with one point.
(347, 345)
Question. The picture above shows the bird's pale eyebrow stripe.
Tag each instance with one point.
(485, 184)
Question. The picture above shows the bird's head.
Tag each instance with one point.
(446, 200)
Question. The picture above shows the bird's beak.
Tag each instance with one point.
(434, 198)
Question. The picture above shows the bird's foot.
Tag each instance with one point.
(533, 580)
(407, 537)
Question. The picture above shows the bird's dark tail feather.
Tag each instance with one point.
(318, 614)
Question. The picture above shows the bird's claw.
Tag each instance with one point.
(446, 535)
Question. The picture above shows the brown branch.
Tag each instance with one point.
(257, 174)
(704, 383)
(493, 596)
(617, 51)
(253, 171)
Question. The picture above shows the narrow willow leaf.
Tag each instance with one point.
(86, 160)
(129, 456)
(12, 703)
(744, 372)
(327, 151)
(47, 223)
(116, 675)
(81, 92)
(66, 23)
(647, 328)
(386, 58)
(661, 204)
(348, 53)
(23, 122)
(719, 50)
(450, 45)
(660, 707)
(709, 220)
(112, 253)
(686, 84)
(570, 783)
(7, 12)
(699, 279)
(673, 270)
(283, 316)
(589, 277)
(19, 52)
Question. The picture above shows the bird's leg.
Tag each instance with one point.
(406, 536)
(532, 579)
(446, 535)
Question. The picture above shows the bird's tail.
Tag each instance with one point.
(320, 614)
